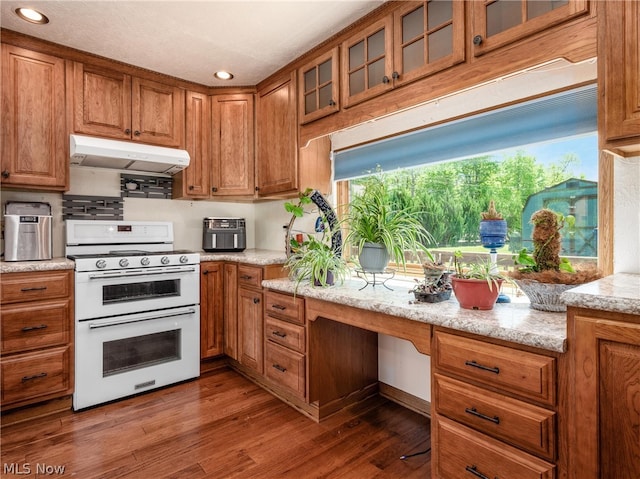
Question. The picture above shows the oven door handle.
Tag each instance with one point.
(140, 273)
(136, 320)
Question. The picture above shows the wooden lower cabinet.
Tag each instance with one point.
(36, 354)
(250, 338)
(496, 410)
(606, 442)
(464, 453)
(211, 309)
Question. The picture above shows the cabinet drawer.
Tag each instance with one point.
(33, 375)
(250, 276)
(285, 333)
(285, 367)
(520, 372)
(524, 425)
(35, 325)
(284, 306)
(462, 453)
(18, 287)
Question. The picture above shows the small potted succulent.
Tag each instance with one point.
(436, 286)
(543, 275)
(475, 285)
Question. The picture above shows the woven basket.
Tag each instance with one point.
(544, 296)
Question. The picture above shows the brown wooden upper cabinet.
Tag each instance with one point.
(35, 145)
(619, 75)
(496, 23)
(193, 181)
(277, 137)
(232, 162)
(319, 87)
(416, 40)
(113, 104)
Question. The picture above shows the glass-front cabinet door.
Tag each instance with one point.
(428, 37)
(318, 84)
(367, 62)
(500, 22)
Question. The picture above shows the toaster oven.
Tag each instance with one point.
(224, 235)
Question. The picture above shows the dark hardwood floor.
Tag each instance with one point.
(218, 426)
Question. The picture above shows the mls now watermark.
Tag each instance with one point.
(27, 468)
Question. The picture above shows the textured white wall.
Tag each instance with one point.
(626, 212)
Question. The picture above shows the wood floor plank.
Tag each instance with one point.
(220, 426)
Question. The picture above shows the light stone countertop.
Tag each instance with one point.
(258, 257)
(28, 266)
(618, 293)
(515, 322)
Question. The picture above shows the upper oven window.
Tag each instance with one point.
(151, 289)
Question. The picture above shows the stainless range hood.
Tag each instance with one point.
(124, 155)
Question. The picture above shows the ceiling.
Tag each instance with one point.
(192, 39)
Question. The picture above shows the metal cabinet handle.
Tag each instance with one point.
(473, 470)
(35, 376)
(474, 364)
(33, 328)
(256, 300)
(137, 133)
(279, 334)
(395, 75)
(474, 412)
(5, 174)
(214, 189)
(36, 288)
(279, 368)
(278, 306)
(128, 131)
(385, 79)
(477, 40)
(332, 103)
(246, 276)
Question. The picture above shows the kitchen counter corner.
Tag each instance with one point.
(618, 293)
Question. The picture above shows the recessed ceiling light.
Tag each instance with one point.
(32, 16)
(222, 75)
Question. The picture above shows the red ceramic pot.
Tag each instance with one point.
(475, 293)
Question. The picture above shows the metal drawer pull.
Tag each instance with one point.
(279, 368)
(473, 470)
(33, 328)
(37, 288)
(35, 376)
(279, 334)
(484, 368)
(246, 277)
(474, 412)
(277, 306)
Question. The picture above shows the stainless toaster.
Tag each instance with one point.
(27, 231)
(224, 234)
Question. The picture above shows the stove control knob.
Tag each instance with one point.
(183, 259)
(124, 262)
(145, 261)
(101, 264)
(165, 260)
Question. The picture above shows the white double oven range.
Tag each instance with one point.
(137, 309)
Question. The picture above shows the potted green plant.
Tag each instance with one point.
(378, 232)
(313, 259)
(543, 275)
(315, 262)
(475, 285)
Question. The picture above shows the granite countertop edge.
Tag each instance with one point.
(53, 264)
(618, 293)
(513, 322)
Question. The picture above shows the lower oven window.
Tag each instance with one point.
(123, 293)
(127, 354)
